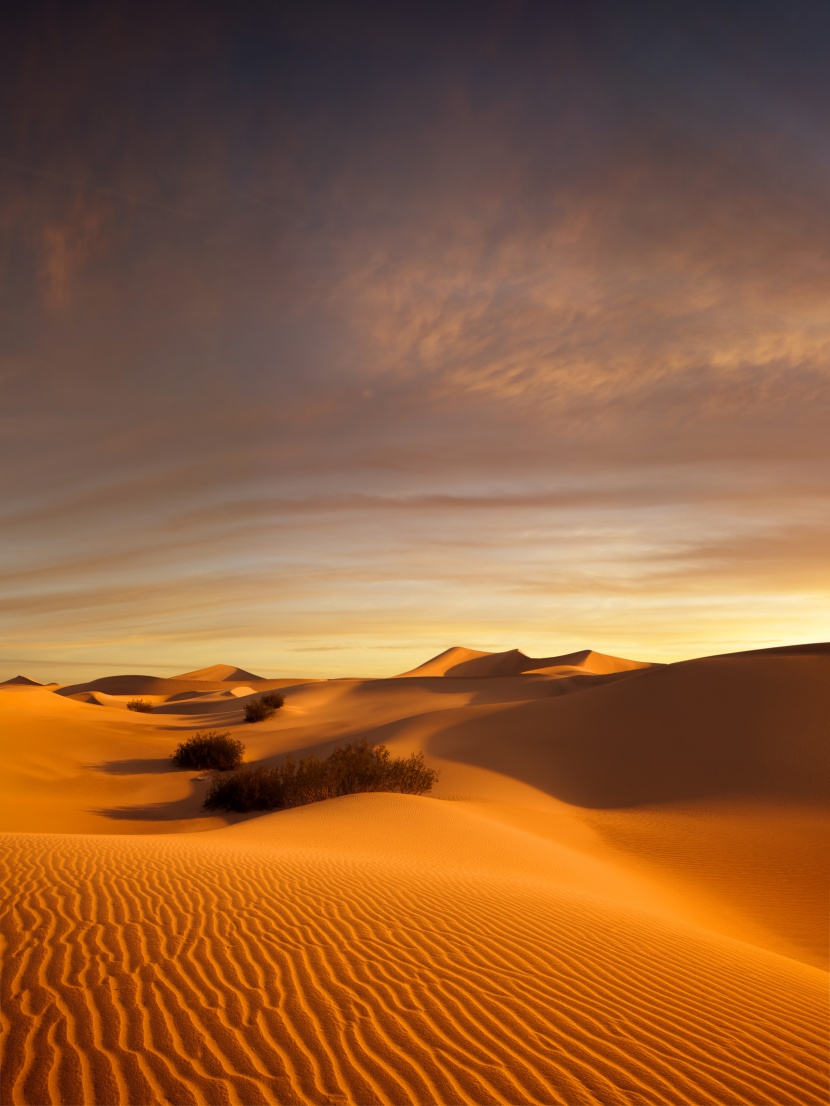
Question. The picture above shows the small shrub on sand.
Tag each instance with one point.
(351, 769)
(263, 707)
(210, 749)
(144, 706)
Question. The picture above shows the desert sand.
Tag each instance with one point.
(617, 893)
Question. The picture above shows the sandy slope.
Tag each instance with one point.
(618, 895)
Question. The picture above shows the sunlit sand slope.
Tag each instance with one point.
(273, 963)
(83, 762)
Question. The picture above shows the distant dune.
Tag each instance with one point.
(458, 661)
(219, 673)
(739, 724)
(617, 893)
(165, 688)
(24, 680)
(810, 649)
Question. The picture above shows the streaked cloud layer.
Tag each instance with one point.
(329, 342)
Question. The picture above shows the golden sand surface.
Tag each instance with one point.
(617, 893)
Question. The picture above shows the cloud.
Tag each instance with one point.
(300, 346)
(67, 247)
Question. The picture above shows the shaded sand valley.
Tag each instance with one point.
(617, 893)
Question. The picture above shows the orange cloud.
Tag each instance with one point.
(66, 247)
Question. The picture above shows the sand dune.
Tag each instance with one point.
(97, 698)
(739, 725)
(220, 673)
(458, 661)
(131, 685)
(618, 894)
(24, 680)
(164, 688)
(808, 649)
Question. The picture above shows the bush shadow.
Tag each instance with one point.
(136, 767)
(187, 808)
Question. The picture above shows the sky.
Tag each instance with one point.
(333, 335)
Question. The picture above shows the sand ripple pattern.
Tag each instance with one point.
(181, 970)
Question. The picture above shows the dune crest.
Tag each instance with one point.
(458, 661)
(166, 688)
(22, 681)
(219, 673)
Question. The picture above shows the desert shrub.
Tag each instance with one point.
(144, 706)
(246, 789)
(349, 770)
(273, 699)
(210, 749)
(257, 710)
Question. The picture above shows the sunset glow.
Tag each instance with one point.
(332, 342)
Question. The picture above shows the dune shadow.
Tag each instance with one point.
(137, 767)
(704, 729)
(513, 688)
(223, 710)
(186, 696)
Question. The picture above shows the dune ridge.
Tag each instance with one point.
(219, 673)
(162, 687)
(734, 725)
(458, 661)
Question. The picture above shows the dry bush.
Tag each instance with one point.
(210, 749)
(351, 769)
(247, 789)
(143, 706)
(257, 710)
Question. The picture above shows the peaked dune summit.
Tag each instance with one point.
(218, 674)
(23, 680)
(458, 661)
